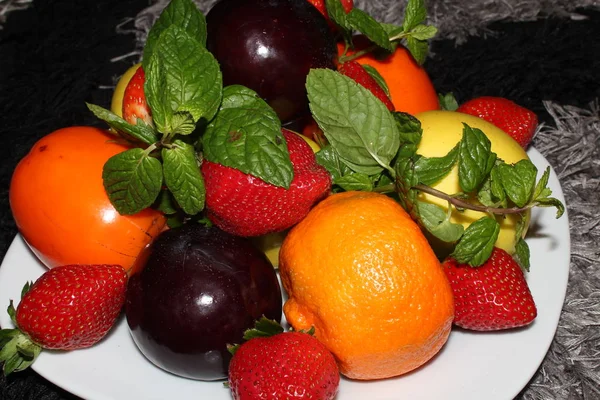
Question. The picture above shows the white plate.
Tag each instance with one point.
(470, 366)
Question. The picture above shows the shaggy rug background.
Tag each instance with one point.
(54, 56)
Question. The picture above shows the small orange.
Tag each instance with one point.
(359, 270)
(60, 206)
(411, 89)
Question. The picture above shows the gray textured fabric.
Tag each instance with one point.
(7, 6)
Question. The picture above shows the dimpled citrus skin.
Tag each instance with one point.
(244, 205)
(360, 271)
(441, 131)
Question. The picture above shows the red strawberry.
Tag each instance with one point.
(491, 297)
(244, 205)
(67, 308)
(134, 100)
(320, 5)
(517, 121)
(356, 72)
(284, 366)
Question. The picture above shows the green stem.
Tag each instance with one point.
(463, 204)
(358, 54)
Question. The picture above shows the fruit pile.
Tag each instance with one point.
(303, 135)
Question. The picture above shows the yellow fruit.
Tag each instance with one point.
(313, 145)
(441, 131)
(116, 105)
(358, 269)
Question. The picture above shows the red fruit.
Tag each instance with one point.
(285, 366)
(320, 5)
(69, 307)
(517, 121)
(491, 297)
(134, 100)
(244, 205)
(356, 72)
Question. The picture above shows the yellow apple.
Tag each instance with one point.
(441, 131)
(116, 105)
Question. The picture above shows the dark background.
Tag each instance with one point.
(56, 56)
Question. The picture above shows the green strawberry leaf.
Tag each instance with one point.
(142, 132)
(414, 14)
(246, 135)
(518, 181)
(431, 170)
(448, 101)
(368, 26)
(328, 158)
(181, 13)
(435, 219)
(132, 179)
(355, 122)
(477, 243)
(522, 254)
(355, 181)
(475, 159)
(263, 327)
(378, 78)
(183, 82)
(183, 177)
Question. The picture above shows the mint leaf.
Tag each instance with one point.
(378, 78)
(355, 122)
(496, 186)
(423, 32)
(166, 203)
(418, 49)
(448, 102)
(477, 243)
(541, 190)
(518, 181)
(337, 14)
(414, 14)
(183, 177)
(522, 254)
(368, 26)
(132, 179)
(182, 76)
(475, 159)
(141, 132)
(431, 170)
(181, 13)
(246, 135)
(355, 181)
(410, 132)
(552, 202)
(328, 158)
(435, 219)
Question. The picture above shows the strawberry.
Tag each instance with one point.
(283, 366)
(491, 297)
(519, 122)
(244, 205)
(320, 5)
(134, 100)
(356, 72)
(69, 307)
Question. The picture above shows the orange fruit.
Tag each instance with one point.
(359, 270)
(60, 206)
(411, 89)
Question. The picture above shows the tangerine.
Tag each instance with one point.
(410, 87)
(359, 270)
(61, 209)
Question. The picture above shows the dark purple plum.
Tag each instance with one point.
(269, 46)
(196, 290)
